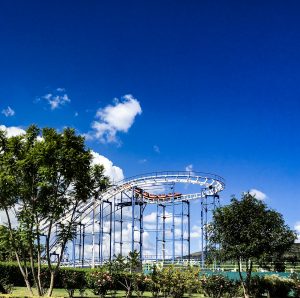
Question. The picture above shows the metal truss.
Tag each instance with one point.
(102, 222)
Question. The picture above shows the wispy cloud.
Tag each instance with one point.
(118, 117)
(8, 112)
(156, 149)
(189, 168)
(258, 194)
(56, 99)
(297, 228)
(144, 160)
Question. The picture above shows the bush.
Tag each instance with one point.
(72, 280)
(140, 284)
(278, 287)
(173, 282)
(99, 282)
(296, 289)
(11, 273)
(5, 286)
(216, 286)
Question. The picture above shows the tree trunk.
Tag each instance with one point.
(50, 290)
(244, 284)
(25, 275)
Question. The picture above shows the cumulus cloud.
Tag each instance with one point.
(113, 172)
(8, 112)
(156, 149)
(57, 98)
(12, 131)
(258, 194)
(115, 118)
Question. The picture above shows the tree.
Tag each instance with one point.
(248, 231)
(45, 176)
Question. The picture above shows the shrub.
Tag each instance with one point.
(296, 279)
(72, 280)
(99, 282)
(173, 282)
(278, 287)
(257, 286)
(216, 286)
(140, 284)
(5, 286)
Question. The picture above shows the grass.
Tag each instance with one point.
(23, 292)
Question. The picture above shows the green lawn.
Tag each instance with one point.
(22, 292)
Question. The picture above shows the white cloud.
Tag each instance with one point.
(297, 228)
(258, 194)
(115, 118)
(8, 112)
(189, 168)
(57, 99)
(144, 160)
(12, 131)
(156, 149)
(113, 172)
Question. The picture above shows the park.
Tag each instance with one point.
(49, 181)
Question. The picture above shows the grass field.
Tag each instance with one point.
(22, 292)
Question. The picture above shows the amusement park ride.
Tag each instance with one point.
(114, 224)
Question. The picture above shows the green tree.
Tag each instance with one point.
(248, 231)
(48, 176)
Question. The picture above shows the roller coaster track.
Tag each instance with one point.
(210, 184)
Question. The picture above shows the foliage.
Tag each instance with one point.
(217, 286)
(100, 282)
(73, 280)
(140, 284)
(296, 279)
(46, 175)
(174, 282)
(249, 231)
(5, 286)
(278, 287)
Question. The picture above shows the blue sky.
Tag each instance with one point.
(212, 84)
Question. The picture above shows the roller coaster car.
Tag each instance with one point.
(146, 194)
(163, 196)
(175, 195)
(152, 196)
(138, 190)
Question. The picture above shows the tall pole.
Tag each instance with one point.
(173, 230)
(132, 219)
(164, 233)
(182, 205)
(121, 224)
(114, 229)
(189, 231)
(83, 238)
(101, 233)
(156, 242)
(110, 229)
(93, 235)
(202, 236)
(141, 229)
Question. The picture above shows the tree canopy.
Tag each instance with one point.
(247, 230)
(45, 174)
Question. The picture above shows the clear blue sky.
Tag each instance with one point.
(218, 83)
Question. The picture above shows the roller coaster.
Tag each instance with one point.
(118, 221)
